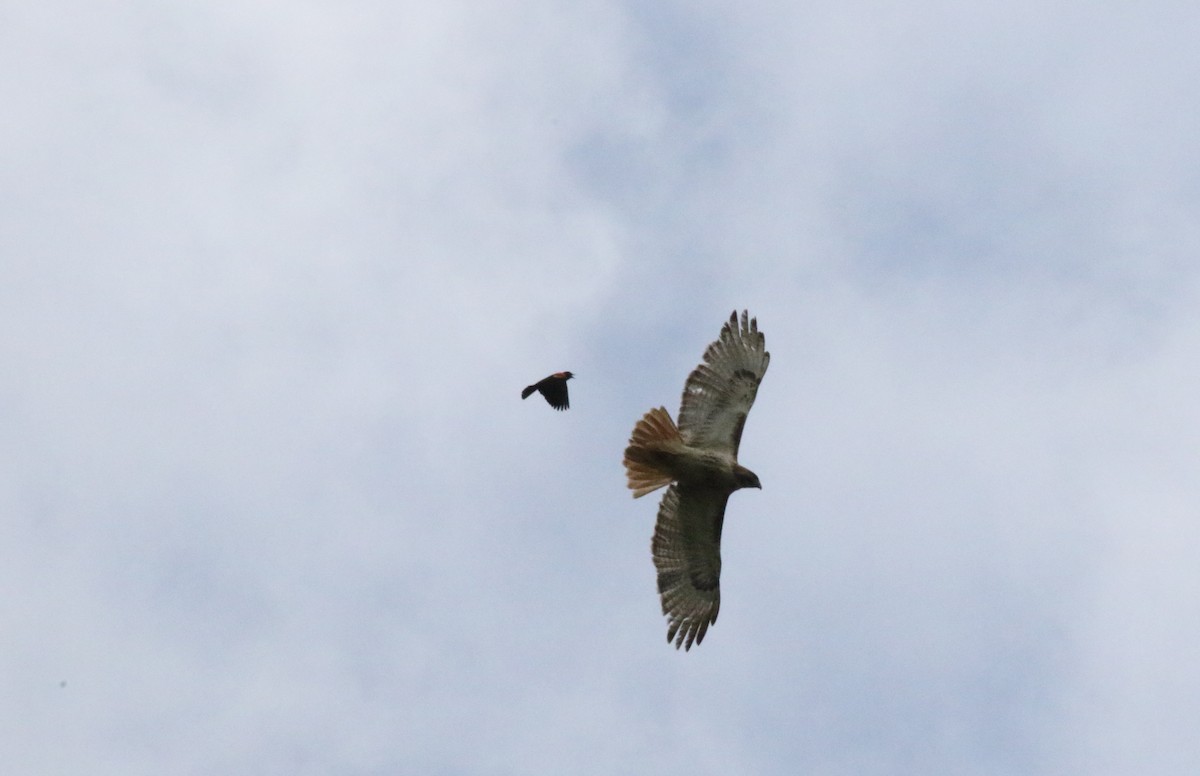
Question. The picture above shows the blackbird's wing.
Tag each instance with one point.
(555, 391)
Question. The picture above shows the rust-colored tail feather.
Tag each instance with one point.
(654, 439)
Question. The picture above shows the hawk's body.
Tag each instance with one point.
(698, 460)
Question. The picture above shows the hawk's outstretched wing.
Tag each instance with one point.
(687, 553)
(720, 392)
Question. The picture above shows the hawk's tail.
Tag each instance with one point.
(654, 439)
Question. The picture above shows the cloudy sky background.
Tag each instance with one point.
(273, 277)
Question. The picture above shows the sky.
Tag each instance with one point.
(272, 278)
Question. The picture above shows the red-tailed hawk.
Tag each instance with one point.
(554, 388)
(698, 459)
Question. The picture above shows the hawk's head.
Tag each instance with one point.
(745, 478)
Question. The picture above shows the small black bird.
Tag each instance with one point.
(554, 388)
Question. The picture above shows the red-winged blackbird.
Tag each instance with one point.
(554, 388)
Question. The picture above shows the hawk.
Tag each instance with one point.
(554, 388)
(698, 460)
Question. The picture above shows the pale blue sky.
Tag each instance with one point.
(274, 277)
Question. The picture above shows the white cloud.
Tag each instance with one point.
(274, 278)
